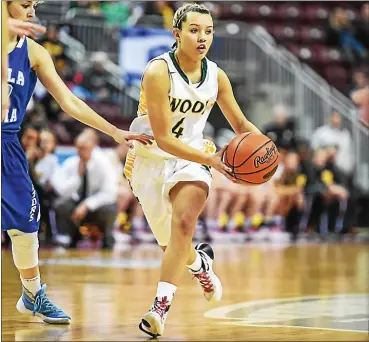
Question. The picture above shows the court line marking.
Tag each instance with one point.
(288, 326)
(221, 312)
(352, 320)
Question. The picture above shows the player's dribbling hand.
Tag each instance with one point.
(218, 164)
(124, 137)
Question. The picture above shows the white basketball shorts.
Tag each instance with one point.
(152, 179)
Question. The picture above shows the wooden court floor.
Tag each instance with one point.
(304, 292)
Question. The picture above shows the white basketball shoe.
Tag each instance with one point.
(209, 282)
(152, 323)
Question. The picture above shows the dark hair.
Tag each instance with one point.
(180, 15)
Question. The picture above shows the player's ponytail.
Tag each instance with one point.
(180, 15)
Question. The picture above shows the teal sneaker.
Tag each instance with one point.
(41, 306)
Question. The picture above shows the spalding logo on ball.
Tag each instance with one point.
(253, 158)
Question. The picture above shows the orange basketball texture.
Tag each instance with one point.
(253, 158)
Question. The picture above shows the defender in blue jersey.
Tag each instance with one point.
(19, 201)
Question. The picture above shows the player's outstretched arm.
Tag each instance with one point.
(71, 104)
(230, 107)
(24, 28)
(156, 85)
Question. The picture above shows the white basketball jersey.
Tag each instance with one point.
(190, 105)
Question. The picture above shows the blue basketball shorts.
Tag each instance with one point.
(20, 208)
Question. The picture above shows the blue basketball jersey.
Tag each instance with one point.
(21, 84)
(20, 207)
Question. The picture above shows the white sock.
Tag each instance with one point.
(197, 264)
(33, 285)
(166, 290)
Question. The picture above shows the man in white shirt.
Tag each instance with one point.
(334, 135)
(87, 187)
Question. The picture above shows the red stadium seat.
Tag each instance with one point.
(337, 76)
(305, 53)
(290, 11)
(326, 54)
(315, 13)
(258, 11)
(283, 32)
(312, 34)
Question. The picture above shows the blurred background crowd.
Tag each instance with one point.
(300, 71)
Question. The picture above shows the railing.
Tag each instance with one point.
(271, 70)
(269, 74)
(93, 31)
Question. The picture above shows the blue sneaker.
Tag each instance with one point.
(41, 306)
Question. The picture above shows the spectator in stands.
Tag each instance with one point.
(116, 12)
(29, 138)
(333, 135)
(362, 25)
(289, 188)
(360, 78)
(47, 163)
(162, 8)
(88, 190)
(329, 197)
(30, 142)
(343, 33)
(280, 130)
(44, 168)
(131, 218)
(52, 44)
(93, 135)
(95, 79)
(92, 7)
(360, 95)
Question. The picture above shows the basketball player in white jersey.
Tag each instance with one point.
(172, 177)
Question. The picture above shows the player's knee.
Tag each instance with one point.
(24, 248)
(186, 223)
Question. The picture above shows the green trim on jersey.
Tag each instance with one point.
(204, 69)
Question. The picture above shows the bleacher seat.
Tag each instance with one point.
(312, 34)
(289, 11)
(283, 32)
(316, 13)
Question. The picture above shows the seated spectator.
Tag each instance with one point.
(289, 188)
(361, 98)
(131, 218)
(218, 205)
(44, 168)
(360, 79)
(343, 33)
(116, 12)
(92, 7)
(333, 135)
(280, 130)
(95, 80)
(30, 142)
(329, 198)
(88, 193)
(162, 8)
(93, 135)
(47, 163)
(362, 24)
(53, 45)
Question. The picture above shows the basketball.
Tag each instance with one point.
(253, 158)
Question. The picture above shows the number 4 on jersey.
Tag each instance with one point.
(178, 128)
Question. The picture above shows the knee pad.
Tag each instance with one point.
(24, 248)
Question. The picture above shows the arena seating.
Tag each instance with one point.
(302, 28)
